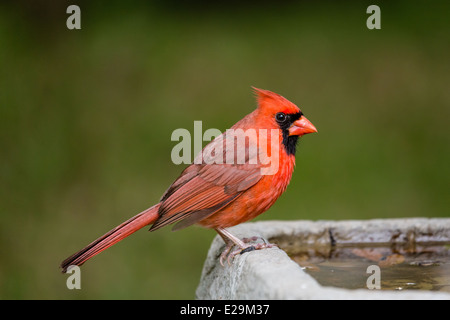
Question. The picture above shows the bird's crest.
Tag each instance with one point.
(273, 102)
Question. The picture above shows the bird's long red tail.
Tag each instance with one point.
(122, 231)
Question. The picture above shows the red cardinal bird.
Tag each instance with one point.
(218, 195)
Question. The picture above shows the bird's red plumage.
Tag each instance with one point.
(216, 195)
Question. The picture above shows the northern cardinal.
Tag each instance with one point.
(221, 195)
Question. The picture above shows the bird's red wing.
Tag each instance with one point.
(202, 190)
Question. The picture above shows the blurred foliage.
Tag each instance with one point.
(86, 118)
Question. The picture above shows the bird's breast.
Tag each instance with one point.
(255, 200)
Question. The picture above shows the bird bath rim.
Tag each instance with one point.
(271, 274)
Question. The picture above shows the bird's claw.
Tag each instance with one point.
(229, 255)
(248, 249)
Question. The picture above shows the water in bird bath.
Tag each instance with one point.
(398, 267)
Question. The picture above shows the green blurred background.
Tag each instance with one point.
(86, 118)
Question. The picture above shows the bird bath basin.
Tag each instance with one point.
(401, 267)
(370, 259)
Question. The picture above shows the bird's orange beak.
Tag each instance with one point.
(301, 126)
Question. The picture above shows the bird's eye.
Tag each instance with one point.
(281, 117)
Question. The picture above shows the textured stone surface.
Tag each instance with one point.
(271, 274)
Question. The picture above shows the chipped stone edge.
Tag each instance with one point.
(270, 274)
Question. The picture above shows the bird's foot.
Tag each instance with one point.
(246, 246)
